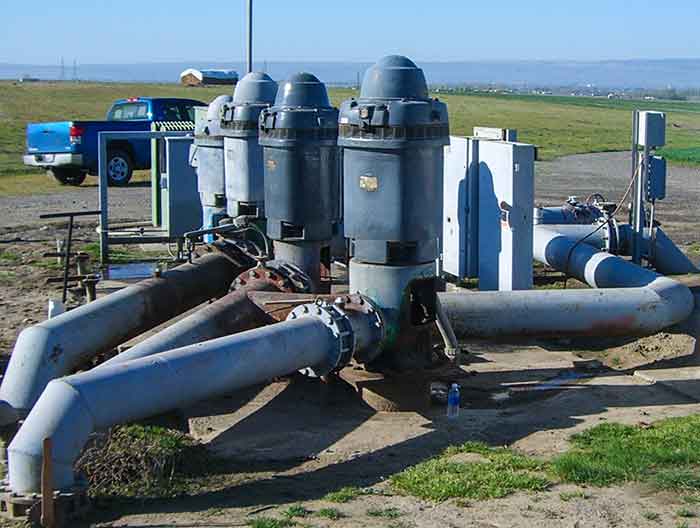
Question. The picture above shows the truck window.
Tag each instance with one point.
(187, 111)
(170, 111)
(128, 112)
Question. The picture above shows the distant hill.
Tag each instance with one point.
(643, 74)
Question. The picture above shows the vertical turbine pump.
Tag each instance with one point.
(392, 139)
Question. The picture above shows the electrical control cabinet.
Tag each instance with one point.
(656, 179)
(652, 129)
(488, 212)
(460, 244)
(506, 201)
(180, 198)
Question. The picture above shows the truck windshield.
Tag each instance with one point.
(128, 112)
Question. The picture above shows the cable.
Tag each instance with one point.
(610, 217)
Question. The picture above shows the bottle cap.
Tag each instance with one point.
(455, 386)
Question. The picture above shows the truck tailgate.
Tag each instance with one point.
(49, 137)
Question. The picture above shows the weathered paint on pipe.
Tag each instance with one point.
(557, 313)
(635, 301)
(232, 313)
(55, 347)
(71, 408)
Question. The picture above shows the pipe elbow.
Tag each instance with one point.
(36, 358)
(61, 415)
(677, 299)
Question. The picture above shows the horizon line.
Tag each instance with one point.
(340, 61)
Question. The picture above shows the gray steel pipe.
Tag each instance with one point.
(72, 408)
(232, 313)
(636, 302)
(55, 347)
(666, 255)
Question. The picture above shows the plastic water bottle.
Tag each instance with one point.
(453, 402)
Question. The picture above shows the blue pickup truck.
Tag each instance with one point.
(68, 149)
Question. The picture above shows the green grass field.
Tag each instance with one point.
(558, 125)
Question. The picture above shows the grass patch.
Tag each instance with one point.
(138, 461)
(691, 498)
(270, 522)
(559, 125)
(694, 248)
(386, 513)
(296, 510)
(332, 514)
(567, 496)
(682, 156)
(7, 276)
(501, 473)
(343, 495)
(666, 454)
(48, 263)
(651, 516)
(9, 258)
(677, 479)
(121, 254)
(686, 513)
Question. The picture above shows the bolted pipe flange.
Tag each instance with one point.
(300, 281)
(335, 318)
(367, 317)
(355, 322)
(262, 274)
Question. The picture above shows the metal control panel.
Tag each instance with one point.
(180, 198)
(488, 212)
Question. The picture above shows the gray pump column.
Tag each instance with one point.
(243, 155)
(302, 184)
(392, 139)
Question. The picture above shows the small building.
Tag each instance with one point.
(194, 77)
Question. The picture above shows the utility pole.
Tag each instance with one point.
(63, 70)
(75, 70)
(249, 50)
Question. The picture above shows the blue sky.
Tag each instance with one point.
(128, 31)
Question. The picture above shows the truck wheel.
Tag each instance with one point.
(67, 176)
(119, 168)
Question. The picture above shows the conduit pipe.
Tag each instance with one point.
(665, 255)
(72, 408)
(233, 313)
(55, 347)
(578, 222)
(635, 301)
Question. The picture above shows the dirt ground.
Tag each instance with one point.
(295, 440)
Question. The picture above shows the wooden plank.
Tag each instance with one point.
(48, 517)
